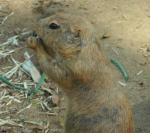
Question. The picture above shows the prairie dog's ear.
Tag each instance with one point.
(84, 32)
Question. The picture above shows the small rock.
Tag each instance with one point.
(141, 84)
(55, 99)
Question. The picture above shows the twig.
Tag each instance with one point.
(9, 122)
(115, 51)
(139, 73)
(48, 113)
(122, 84)
(29, 106)
(4, 112)
(13, 98)
(12, 13)
(39, 124)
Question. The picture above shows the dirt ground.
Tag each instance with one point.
(124, 27)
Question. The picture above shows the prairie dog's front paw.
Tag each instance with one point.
(32, 42)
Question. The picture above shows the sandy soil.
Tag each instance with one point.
(126, 25)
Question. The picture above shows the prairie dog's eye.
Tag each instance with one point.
(54, 26)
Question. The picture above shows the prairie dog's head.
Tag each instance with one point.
(65, 34)
(69, 40)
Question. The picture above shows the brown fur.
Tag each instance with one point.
(71, 56)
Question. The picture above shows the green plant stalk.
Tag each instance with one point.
(15, 87)
(38, 86)
(121, 68)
